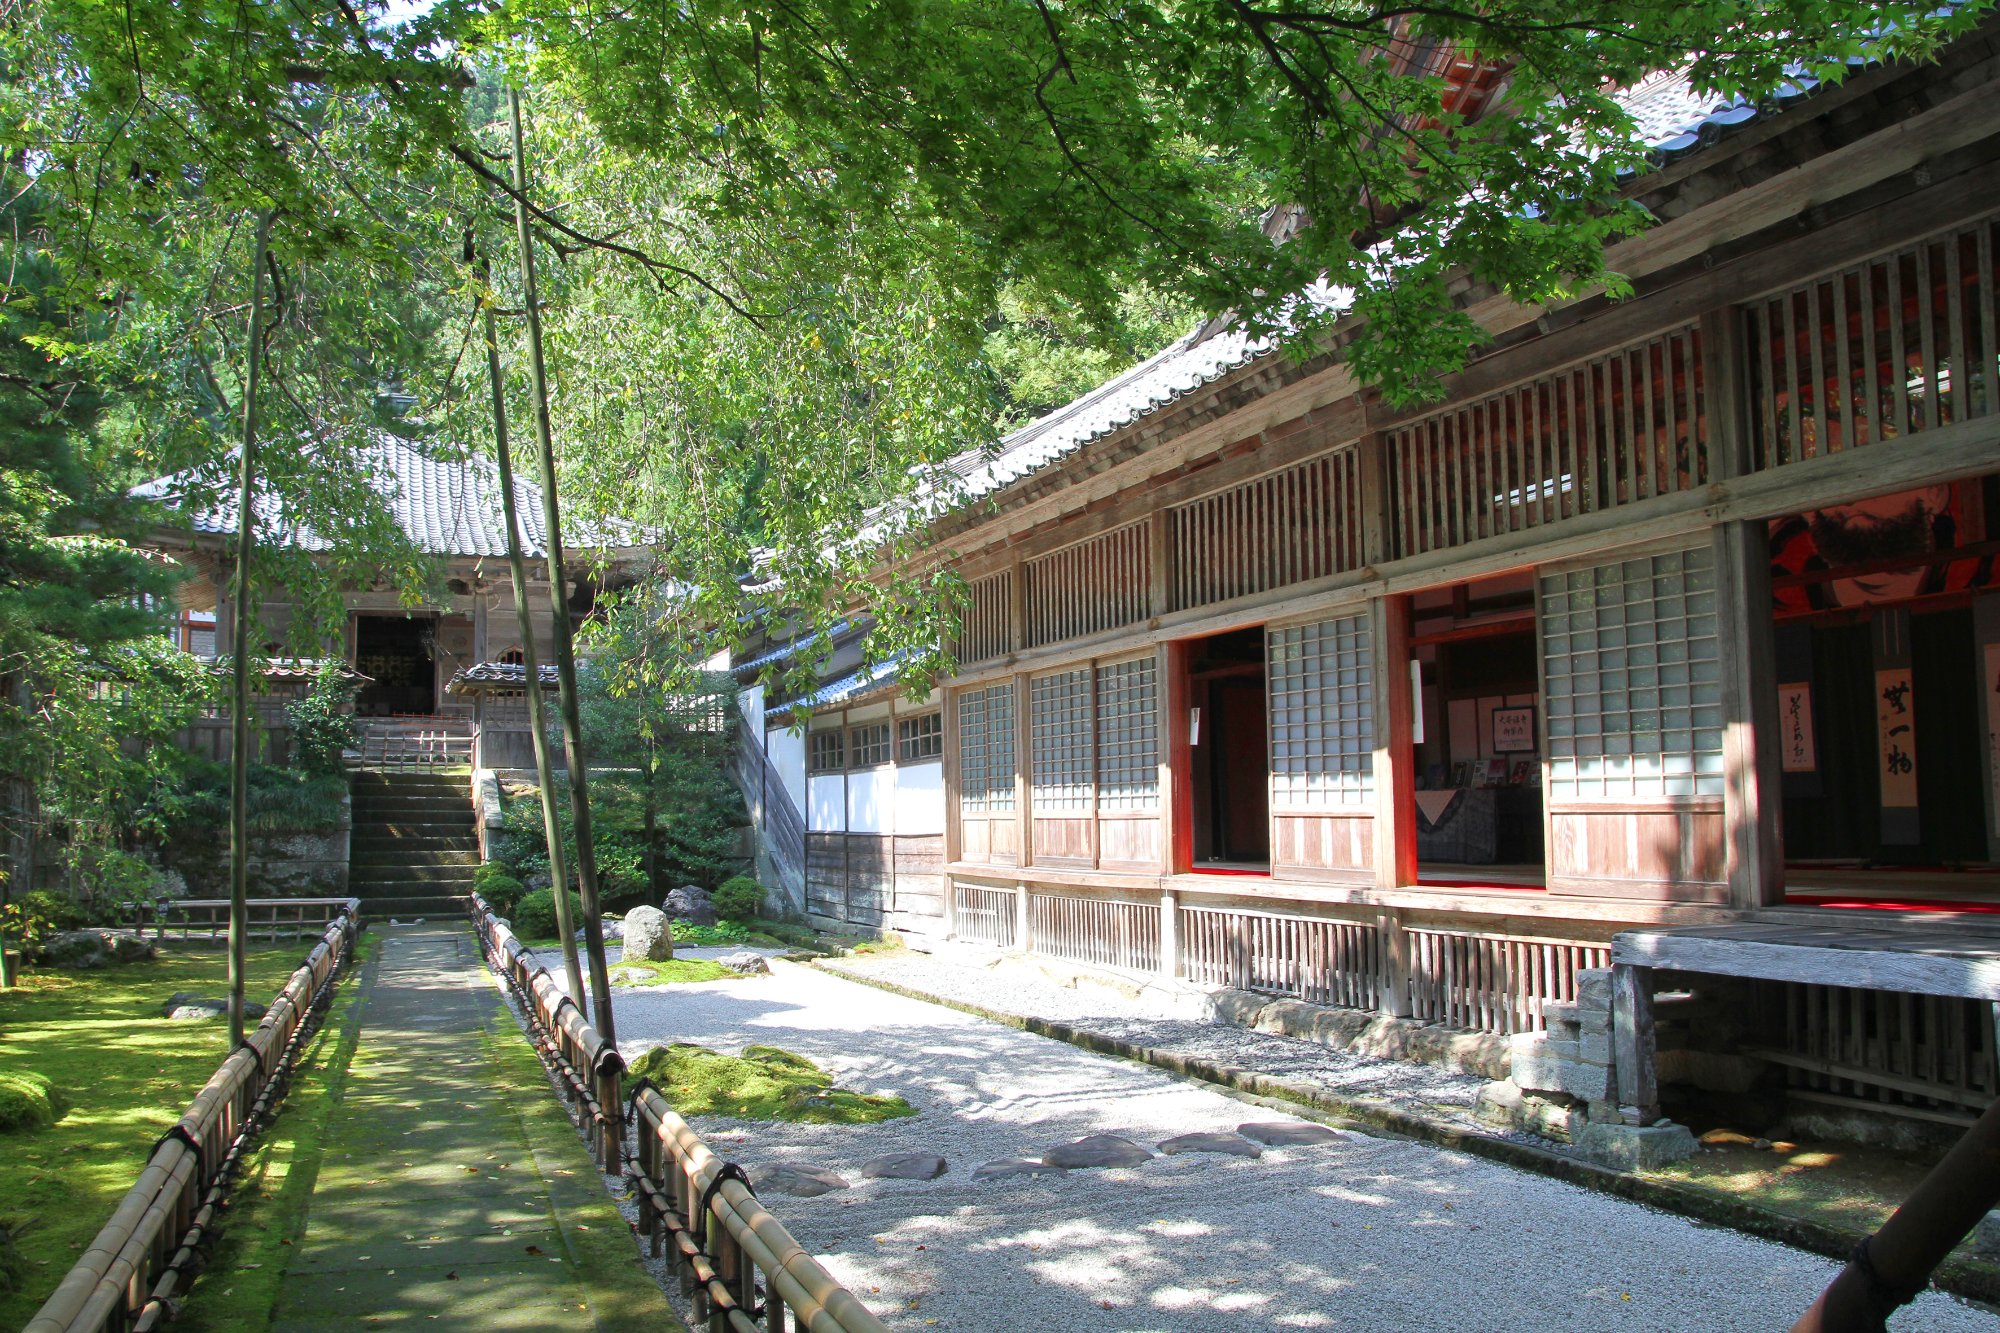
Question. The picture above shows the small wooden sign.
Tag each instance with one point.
(1795, 728)
(1514, 730)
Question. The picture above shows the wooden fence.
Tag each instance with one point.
(740, 1267)
(132, 1275)
(208, 918)
(1494, 983)
(1103, 931)
(1931, 1057)
(985, 916)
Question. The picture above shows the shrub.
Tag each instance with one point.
(739, 899)
(764, 1083)
(535, 915)
(323, 725)
(708, 937)
(28, 1102)
(30, 919)
(497, 885)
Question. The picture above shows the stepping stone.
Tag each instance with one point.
(1233, 1144)
(1289, 1133)
(803, 1182)
(905, 1166)
(1013, 1166)
(1097, 1150)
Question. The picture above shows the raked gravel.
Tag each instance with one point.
(1364, 1233)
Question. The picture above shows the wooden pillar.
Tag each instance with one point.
(1170, 933)
(1393, 991)
(1023, 937)
(1024, 768)
(1633, 1052)
(1176, 763)
(479, 600)
(954, 789)
(1395, 783)
(225, 609)
(1160, 594)
(1752, 784)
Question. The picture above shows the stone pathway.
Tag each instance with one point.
(431, 1209)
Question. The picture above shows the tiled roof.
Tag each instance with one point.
(444, 506)
(877, 679)
(498, 676)
(290, 668)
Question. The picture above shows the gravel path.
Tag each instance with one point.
(1362, 1233)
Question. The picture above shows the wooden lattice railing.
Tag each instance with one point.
(132, 1275)
(208, 918)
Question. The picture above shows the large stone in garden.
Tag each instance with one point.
(84, 949)
(613, 928)
(1097, 1150)
(1289, 1133)
(691, 904)
(648, 937)
(1233, 1144)
(744, 961)
(186, 1004)
(905, 1166)
(1013, 1166)
(789, 1178)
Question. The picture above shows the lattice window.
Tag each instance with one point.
(919, 738)
(827, 752)
(1299, 524)
(1634, 678)
(1095, 585)
(1615, 430)
(868, 747)
(1322, 714)
(984, 624)
(1128, 735)
(1059, 740)
(1900, 344)
(986, 750)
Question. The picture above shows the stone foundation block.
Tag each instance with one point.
(1593, 989)
(1637, 1147)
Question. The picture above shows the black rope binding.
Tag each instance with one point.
(1885, 1296)
(729, 1171)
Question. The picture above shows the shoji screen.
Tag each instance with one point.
(1322, 748)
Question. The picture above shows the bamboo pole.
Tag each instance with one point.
(239, 713)
(579, 779)
(517, 568)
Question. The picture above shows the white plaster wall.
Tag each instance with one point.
(826, 810)
(920, 798)
(788, 755)
(750, 703)
(871, 801)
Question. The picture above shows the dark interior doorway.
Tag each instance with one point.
(1228, 731)
(397, 651)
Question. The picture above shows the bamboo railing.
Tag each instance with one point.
(208, 918)
(742, 1270)
(133, 1274)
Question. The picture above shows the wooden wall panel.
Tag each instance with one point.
(1130, 843)
(870, 861)
(1662, 853)
(975, 840)
(826, 875)
(1006, 837)
(918, 875)
(1323, 844)
(1065, 842)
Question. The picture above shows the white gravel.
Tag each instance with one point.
(1367, 1233)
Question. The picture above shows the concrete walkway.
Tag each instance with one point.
(453, 1192)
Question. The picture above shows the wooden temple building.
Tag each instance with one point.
(408, 656)
(1678, 612)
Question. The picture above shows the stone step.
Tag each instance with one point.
(415, 879)
(404, 830)
(436, 907)
(400, 801)
(434, 838)
(409, 782)
(368, 862)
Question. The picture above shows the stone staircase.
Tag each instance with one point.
(415, 845)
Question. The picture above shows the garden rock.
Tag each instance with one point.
(1289, 1133)
(804, 1182)
(1012, 1166)
(1097, 1150)
(1233, 1144)
(905, 1166)
(744, 961)
(85, 949)
(691, 904)
(613, 928)
(647, 936)
(188, 1005)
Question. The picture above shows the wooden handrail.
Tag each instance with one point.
(130, 1275)
(722, 1238)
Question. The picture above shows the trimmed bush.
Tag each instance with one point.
(764, 1083)
(739, 899)
(497, 885)
(535, 915)
(27, 1101)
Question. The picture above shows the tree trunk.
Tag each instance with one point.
(517, 568)
(579, 777)
(239, 713)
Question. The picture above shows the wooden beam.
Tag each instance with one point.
(1395, 781)
(1933, 963)
(1634, 1053)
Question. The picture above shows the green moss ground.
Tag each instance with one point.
(267, 1209)
(127, 1075)
(668, 972)
(764, 1083)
